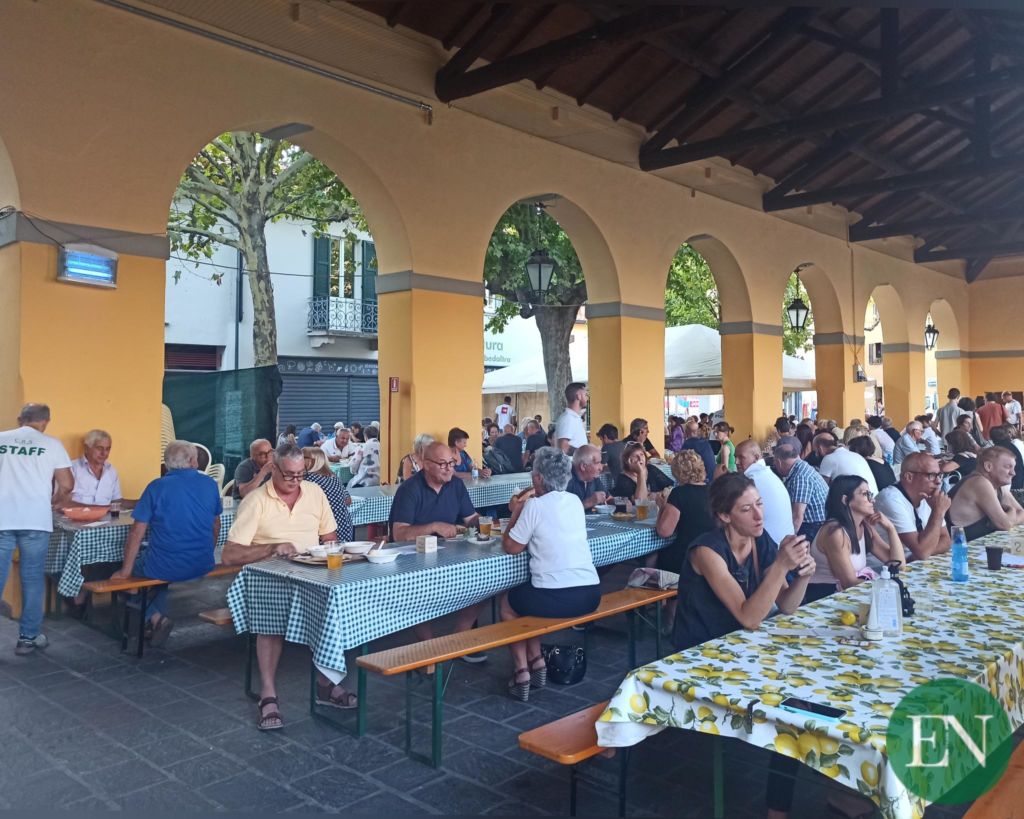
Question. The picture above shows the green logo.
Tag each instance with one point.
(949, 741)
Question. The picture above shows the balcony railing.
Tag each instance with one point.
(342, 316)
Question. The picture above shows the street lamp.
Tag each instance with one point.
(797, 310)
(931, 336)
(539, 268)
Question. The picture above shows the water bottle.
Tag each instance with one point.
(961, 572)
(476, 473)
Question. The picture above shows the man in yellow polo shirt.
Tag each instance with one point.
(284, 516)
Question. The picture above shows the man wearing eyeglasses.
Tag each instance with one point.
(917, 506)
(431, 503)
(283, 517)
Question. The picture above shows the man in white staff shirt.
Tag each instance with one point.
(504, 413)
(570, 433)
(35, 477)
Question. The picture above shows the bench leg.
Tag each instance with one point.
(719, 778)
(436, 719)
(573, 778)
(125, 622)
(657, 629)
(631, 628)
(623, 771)
(250, 654)
(142, 622)
(361, 693)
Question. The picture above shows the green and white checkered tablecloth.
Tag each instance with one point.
(72, 547)
(372, 504)
(332, 612)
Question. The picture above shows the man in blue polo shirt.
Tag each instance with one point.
(431, 503)
(181, 511)
(584, 481)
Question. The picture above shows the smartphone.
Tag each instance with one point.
(814, 709)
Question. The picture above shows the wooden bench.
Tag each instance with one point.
(141, 585)
(1006, 799)
(219, 617)
(570, 741)
(439, 650)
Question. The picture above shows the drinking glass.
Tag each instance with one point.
(485, 525)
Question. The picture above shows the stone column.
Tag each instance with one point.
(751, 377)
(903, 392)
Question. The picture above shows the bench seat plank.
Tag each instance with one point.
(568, 740)
(440, 649)
(131, 583)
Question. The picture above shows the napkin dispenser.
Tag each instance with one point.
(426, 543)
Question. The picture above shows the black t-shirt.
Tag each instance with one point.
(625, 486)
(416, 503)
(882, 472)
(700, 615)
(511, 446)
(965, 464)
(648, 446)
(694, 518)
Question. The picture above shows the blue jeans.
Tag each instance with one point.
(32, 546)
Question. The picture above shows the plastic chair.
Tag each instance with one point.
(227, 489)
(166, 429)
(216, 471)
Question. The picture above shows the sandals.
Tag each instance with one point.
(520, 690)
(325, 695)
(538, 676)
(271, 721)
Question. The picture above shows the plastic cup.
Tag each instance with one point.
(485, 525)
(641, 510)
(995, 557)
(334, 560)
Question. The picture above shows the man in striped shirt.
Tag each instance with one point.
(807, 490)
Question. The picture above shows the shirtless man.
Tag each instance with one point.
(981, 502)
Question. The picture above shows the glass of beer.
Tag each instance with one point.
(485, 525)
(641, 510)
(335, 559)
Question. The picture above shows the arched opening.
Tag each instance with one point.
(535, 338)
(10, 276)
(886, 360)
(944, 368)
(799, 397)
(271, 297)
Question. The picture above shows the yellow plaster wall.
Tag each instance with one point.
(752, 382)
(626, 363)
(10, 335)
(904, 385)
(95, 356)
(995, 309)
(839, 396)
(952, 372)
(433, 343)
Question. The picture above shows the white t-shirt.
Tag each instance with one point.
(778, 507)
(894, 505)
(89, 488)
(27, 463)
(884, 441)
(330, 448)
(554, 529)
(503, 414)
(1013, 411)
(843, 462)
(570, 425)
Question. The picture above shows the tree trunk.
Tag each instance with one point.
(555, 323)
(264, 319)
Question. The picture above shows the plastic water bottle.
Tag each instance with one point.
(476, 473)
(961, 572)
(887, 598)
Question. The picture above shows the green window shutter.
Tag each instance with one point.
(321, 267)
(369, 271)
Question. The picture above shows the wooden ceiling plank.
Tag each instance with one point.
(501, 14)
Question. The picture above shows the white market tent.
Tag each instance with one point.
(693, 360)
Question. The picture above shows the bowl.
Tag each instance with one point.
(318, 551)
(604, 508)
(382, 557)
(85, 514)
(358, 547)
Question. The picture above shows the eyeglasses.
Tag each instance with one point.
(931, 476)
(291, 476)
(444, 464)
(867, 494)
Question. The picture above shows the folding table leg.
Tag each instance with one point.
(623, 771)
(142, 622)
(631, 627)
(250, 652)
(657, 629)
(361, 693)
(719, 778)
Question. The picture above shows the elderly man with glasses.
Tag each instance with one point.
(917, 506)
(431, 503)
(283, 517)
(584, 480)
(910, 442)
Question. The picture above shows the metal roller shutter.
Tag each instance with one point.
(327, 398)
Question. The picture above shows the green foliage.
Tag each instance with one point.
(242, 181)
(522, 229)
(691, 295)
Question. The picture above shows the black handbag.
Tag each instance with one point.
(567, 665)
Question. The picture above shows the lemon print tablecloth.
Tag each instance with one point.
(732, 686)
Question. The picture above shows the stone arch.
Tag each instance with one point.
(380, 209)
(903, 367)
(950, 365)
(733, 293)
(828, 314)
(945, 320)
(586, 236)
(892, 315)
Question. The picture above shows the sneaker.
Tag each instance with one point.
(26, 645)
(476, 657)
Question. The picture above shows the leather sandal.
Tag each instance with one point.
(325, 696)
(538, 674)
(520, 690)
(271, 721)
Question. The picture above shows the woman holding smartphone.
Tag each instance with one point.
(731, 578)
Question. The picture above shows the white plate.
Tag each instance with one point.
(480, 542)
(605, 508)
(358, 547)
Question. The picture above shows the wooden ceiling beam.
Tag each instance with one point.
(454, 81)
(903, 182)
(862, 232)
(710, 92)
(899, 104)
(973, 251)
(872, 55)
(974, 268)
(501, 15)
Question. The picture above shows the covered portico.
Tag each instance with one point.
(94, 153)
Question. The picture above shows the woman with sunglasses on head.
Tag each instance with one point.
(854, 528)
(731, 578)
